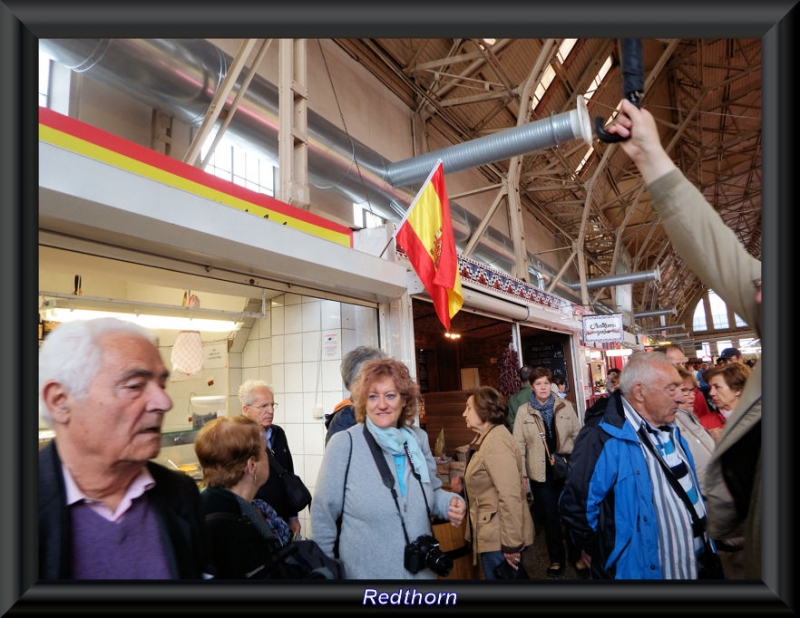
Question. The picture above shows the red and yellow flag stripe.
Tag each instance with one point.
(80, 138)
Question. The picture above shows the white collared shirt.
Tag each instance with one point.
(140, 484)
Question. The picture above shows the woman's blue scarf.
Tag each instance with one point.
(393, 439)
(545, 409)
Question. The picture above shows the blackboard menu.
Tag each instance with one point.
(548, 354)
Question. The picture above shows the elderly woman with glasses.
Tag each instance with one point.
(700, 441)
(258, 403)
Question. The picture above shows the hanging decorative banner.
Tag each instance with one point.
(602, 328)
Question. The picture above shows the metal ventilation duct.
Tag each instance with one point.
(623, 279)
(180, 76)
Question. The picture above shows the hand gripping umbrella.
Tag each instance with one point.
(632, 83)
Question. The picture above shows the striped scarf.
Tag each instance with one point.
(677, 545)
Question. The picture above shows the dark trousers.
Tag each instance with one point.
(545, 510)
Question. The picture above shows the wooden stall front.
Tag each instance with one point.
(444, 410)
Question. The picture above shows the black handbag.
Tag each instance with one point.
(709, 564)
(560, 463)
(297, 493)
(506, 571)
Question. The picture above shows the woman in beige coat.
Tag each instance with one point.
(500, 522)
(546, 417)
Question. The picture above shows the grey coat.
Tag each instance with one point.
(372, 541)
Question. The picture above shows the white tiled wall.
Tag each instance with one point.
(288, 350)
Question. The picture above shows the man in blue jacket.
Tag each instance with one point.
(618, 503)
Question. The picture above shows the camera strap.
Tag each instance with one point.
(388, 479)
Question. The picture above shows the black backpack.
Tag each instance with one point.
(300, 559)
(596, 411)
(304, 559)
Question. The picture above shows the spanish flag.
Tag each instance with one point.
(426, 236)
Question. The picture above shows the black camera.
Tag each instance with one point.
(425, 552)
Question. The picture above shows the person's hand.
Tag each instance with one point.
(715, 432)
(513, 559)
(294, 526)
(456, 484)
(587, 559)
(642, 142)
(456, 511)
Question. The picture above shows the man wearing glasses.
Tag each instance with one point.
(620, 503)
(258, 403)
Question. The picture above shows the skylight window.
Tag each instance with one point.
(596, 81)
(549, 73)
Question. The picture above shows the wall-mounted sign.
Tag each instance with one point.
(331, 346)
(548, 354)
(602, 328)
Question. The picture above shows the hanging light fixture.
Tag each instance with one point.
(58, 307)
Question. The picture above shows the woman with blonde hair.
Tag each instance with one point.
(378, 478)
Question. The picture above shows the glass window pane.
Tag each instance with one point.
(44, 78)
(719, 311)
(699, 320)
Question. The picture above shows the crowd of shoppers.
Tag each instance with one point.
(633, 501)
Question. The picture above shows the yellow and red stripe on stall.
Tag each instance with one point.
(81, 138)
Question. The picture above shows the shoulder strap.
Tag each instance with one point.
(383, 467)
(344, 497)
(388, 479)
(347, 469)
(228, 516)
(274, 463)
(698, 525)
(541, 435)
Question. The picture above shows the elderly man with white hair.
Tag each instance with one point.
(106, 511)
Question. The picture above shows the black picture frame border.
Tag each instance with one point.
(23, 23)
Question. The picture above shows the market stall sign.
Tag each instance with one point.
(602, 328)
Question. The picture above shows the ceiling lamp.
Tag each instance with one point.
(450, 335)
(58, 307)
(619, 352)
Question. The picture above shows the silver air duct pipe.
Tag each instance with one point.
(624, 279)
(657, 312)
(655, 331)
(544, 133)
(180, 76)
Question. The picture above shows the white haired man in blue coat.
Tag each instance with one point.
(619, 504)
